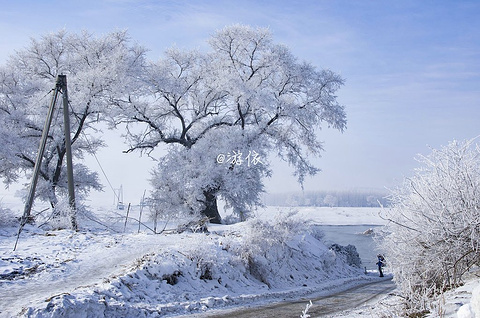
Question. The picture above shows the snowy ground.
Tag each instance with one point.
(329, 216)
(100, 272)
(116, 273)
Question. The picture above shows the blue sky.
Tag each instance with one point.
(412, 69)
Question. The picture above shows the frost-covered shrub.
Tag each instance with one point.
(433, 236)
(206, 258)
(6, 217)
(265, 242)
(349, 253)
(172, 279)
(61, 216)
(259, 245)
(196, 225)
(260, 235)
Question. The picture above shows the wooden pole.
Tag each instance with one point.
(126, 219)
(41, 150)
(68, 149)
(38, 162)
(141, 210)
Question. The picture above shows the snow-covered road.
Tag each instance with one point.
(323, 306)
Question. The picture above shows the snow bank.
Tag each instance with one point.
(247, 263)
(472, 309)
(475, 303)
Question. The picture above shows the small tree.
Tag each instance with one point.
(246, 95)
(98, 71)
(330, 200)
(433, 236)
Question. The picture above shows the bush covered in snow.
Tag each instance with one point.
(6, 217)
(433, 236)
(61, 216)
(349, 252)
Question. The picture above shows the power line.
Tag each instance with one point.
(94, 155)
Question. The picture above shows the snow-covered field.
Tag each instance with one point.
(124, 272)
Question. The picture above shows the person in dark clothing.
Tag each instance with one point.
(380, 264)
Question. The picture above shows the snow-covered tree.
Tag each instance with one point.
(330, 200)
(185, 175)
(433, 236)
(98, 71)
(245, 95)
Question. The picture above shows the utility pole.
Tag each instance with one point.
(38, 162)
(60, 86)
(68, 148)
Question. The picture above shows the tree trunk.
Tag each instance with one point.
(211, 209)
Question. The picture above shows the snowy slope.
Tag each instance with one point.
(99, 273)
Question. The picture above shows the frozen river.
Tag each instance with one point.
(341, 225)
(352, 234)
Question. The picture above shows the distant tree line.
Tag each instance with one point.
(328, 199)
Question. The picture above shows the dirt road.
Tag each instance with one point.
(322, 307)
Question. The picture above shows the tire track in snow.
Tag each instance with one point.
(324, 306)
